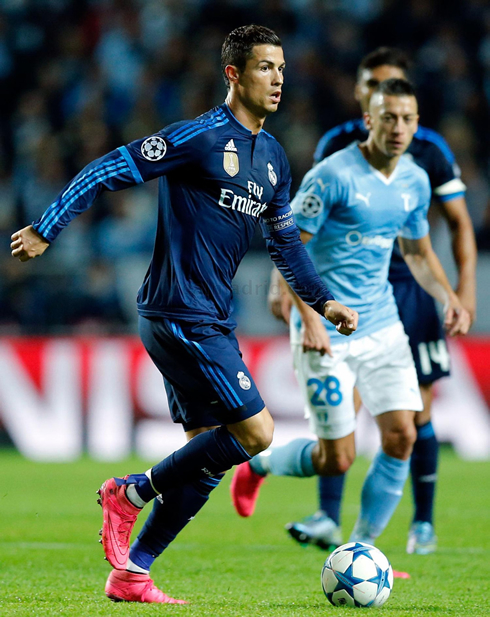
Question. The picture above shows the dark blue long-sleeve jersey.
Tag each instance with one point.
(217, 180)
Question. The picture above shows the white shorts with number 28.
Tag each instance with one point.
(379, 365)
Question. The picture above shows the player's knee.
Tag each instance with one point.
(334, 464)
(257, 443)
(399, 441)
(258, 437)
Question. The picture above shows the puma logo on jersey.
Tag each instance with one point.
(230, 146)
(321, 184)
(364, 198)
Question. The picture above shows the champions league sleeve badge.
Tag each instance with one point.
(311, 206)
(154, 148)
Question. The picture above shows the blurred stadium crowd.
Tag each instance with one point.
(81, 77)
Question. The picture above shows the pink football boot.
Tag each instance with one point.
(244, 489)
(125, 586)
(119, 519)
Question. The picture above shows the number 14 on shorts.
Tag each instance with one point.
(434, 352)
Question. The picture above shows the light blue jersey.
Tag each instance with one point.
(355, 214)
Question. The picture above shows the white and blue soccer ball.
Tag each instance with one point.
(357, 574)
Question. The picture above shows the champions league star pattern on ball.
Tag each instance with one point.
(357, 574)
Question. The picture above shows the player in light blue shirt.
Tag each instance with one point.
(351, 208)
(354, 214)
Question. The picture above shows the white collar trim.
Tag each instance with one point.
(381, 176)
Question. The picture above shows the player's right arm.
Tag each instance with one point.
(290, 257)
(449, 191)
(137, 162)
(464, 250)
(429, 274)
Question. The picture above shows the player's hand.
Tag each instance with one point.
(457, 319)
(343, 318)
(314, 336)
(27, 244)
(280, 303)
(468, 301)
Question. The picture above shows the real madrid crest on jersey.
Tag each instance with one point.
(272, 174)
(154, 148)
(231, 164)
(244, 381)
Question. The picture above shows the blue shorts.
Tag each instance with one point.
(206, 380)
(421, 321)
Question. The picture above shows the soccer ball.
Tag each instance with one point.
(357, 574)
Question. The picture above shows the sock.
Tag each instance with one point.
(132, 567)
(424, 472)
(381, 493)
(293, 459)
(330, 489)
(205, 455)
(140, 489)
(171, 513)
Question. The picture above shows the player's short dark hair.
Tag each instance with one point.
(238, 45)
(395, 87)
(390, 56)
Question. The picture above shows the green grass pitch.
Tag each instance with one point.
(51, 563)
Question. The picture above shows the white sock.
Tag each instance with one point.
(148, 475)
(133, 496)
(132, 567)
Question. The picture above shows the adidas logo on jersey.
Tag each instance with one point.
(230, 146)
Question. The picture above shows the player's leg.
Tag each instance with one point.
(171, 512)
(387, 382)
(422, 324)
(423, 466)
(174, 508)
(186, 477)
(323, 527)
(386, 477)
(327, 384)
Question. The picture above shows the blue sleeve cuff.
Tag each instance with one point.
(132, 165)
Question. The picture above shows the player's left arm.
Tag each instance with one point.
(429, 273)
(464, 250)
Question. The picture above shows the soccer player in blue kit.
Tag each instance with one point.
(219, 174)
(351, 208)
(417, 309)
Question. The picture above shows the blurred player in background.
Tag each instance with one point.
(219, 175)
(417, 309)
(351, 208)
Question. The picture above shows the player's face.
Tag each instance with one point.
(260, 84)
(371, 78)
(392, 122)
